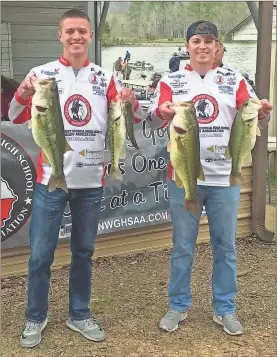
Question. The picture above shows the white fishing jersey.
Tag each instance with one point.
(84, 100)
(217, 98)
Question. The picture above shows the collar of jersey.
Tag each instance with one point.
(189, 68)
(66, 63)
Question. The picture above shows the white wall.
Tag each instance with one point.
(248, 32)
(6, 50)
(34, 32)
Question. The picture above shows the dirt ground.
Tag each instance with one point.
(129, 298)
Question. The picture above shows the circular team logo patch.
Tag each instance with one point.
(18, 176)
(93, 78)
(219, 79)
(206, 108)
(77, 110)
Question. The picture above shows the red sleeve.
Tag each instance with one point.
(165, 93)
(136, 107)
(111, 92)
(26, 113)
(242, 94)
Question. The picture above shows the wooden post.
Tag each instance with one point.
(264, 41)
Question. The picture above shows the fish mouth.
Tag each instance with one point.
(179, 130)
(45, 81)
(41, 109)
(116, 119)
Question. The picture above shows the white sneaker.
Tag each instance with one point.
(170, 321)
(230, 324)
(31, 335)
(89, 328)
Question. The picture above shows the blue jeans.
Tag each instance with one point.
(48, 208)
(221, 205)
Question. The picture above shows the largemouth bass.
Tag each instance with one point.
(116, 136)
(184, 148)
(128, 113)
(48, 130)
(243, 138)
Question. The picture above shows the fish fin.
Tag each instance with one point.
(135, 145)
(236, 180)
(258, 131)
(169, 146)
(133, 142)
(67, 147)
(116, 174)
(228, 155)
(57, 182)
(178, 181)
(201, 175)
(122, 153)
(45, 159)
(192, 206)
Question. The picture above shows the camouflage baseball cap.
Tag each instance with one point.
(201, 27)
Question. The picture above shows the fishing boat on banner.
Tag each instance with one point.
(141, 65)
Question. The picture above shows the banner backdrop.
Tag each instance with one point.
(140, 200)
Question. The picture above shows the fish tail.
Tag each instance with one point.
(236, 180)
(192, 206)
(116, 174)
(57, 182)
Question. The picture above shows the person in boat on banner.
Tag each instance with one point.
(80, 83)
(174, 63)
(127, 56)
(126, 71)
(201, 82)
(118, 66)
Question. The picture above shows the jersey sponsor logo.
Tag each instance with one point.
(17, 187)
(77, 110)
(217, 149)
(219, 79)
(231, 81)
(180, 91)
(92, 155)
(206, 108)
(98, 91)
(97, 79)
(50, 73)
(82, 164)
(226, 90)
(211, 159)
(93, 78)
(176, 75)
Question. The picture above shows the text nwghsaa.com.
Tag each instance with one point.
(133, 221)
